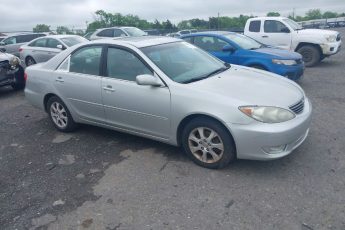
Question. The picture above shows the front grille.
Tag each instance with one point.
(298, 107)
(338, 37)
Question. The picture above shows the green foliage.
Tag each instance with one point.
(329, 14)
(273, 14)
(40, 28)
(104, 19)
(63, 30)
(313, 14)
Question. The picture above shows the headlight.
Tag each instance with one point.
(331, 38)
(14, 61)
(267, 114)
(284, 62)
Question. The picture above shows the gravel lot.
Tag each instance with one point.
(101, 179)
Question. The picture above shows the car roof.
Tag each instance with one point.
(59, 36)
(116, 27)
(209, 33)
(140, 42)
(267, 17)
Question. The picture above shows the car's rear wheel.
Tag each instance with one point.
(208, 143)
(310, 54)
(30, 61)
(60, 115)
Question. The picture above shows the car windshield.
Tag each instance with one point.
(244, 42)
(183, 62)
(294, 25)
(135, 32)
(71, 41)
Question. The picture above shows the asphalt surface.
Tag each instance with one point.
(101, 179)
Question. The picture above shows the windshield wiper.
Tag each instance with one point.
(222, 69)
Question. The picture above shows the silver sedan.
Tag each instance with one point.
(43, 49)
(171, 91)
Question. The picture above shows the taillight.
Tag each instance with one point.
(20, 49)
(25, 76)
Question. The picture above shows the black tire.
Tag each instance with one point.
(19, 82)
(30, 61)
(71, 125)
(311, 55)
(229, 153)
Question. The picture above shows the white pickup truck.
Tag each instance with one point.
(313, 44)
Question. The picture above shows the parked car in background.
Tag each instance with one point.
(242, 50)
(13, 42)
(117, 32)
(313, 44)
(88, 35)
(2, 38)
(153, 32)
(11, 72)
(185, 32)
(171, 91)
(43, 49)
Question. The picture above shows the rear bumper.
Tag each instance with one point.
(253, 140)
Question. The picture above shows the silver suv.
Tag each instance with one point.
(117, 32)
(13, 42)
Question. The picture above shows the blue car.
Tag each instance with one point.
(241, 50)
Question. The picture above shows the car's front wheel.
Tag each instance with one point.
(310, 54)
(208, 143)
(60, 115)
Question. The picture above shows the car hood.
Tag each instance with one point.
(278, 53)
(5, 56)
(249, 86)
(317, 32)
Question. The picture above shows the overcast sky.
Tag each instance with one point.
(18, 15)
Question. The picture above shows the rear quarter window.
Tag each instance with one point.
(254, 26)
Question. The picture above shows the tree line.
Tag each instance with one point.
(104, 19)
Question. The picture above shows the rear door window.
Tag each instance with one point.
(39, 43)
(86, 60)
(106, 33)
(254, 26)
(210, 44)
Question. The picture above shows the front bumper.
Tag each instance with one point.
(253, 139)
(329, 49)
(292, 72)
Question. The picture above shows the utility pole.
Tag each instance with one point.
(218, 22)
(293, 13)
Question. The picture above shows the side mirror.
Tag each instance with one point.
(61, 47)
(229, 48)
(285, 30)
(147, 79)
(2, 50)
(2, 43)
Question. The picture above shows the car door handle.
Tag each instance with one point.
(109, 88)
(59, 79)
(264, 36)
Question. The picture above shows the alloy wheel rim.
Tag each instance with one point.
(59, 115)
(206, 145)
